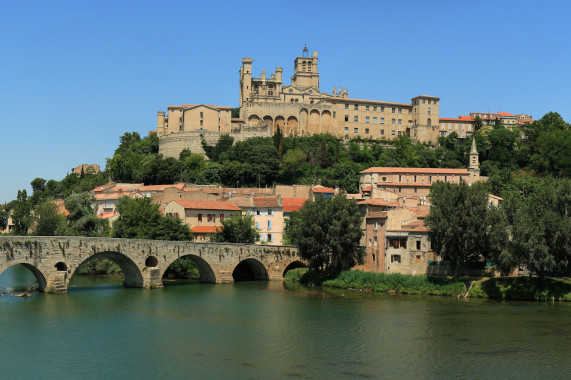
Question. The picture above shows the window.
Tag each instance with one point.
(346, 117)
(394, 109)
(367, 131)
(410, 112)
(418, 244)
(400, 178)
(400, 110)
(393, 121)
(271, 211)
(355, 130)
(382, 108)
(201, 114)
(382, 120)
(356, 107)
(374, 120)
(346, 106)
(414, 178)
(356, 119)
(418, 259)
(258, 212)
(269, 224)
(366, 119)
(221, 217)
(210, 218)
(200, 217)
(423, 101)
(201, 122)
(382, 131)
(346, 129)
(248, 212)
(429, 179)
(334, 114)
(269, 238)
(392, 132)
(376, 242)
(290, 90)
(369, 242)
(395, 259)
(400, 121)
(384, 179)
(373, 257)
(375, 225)
(429, 122)
(267, 212)
(366, 108)
(257, 225)
(375, 109)
(180, 127)
(399, 133)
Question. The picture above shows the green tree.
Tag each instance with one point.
(4, 213)
(139, 218)
(221, 151)
(22, 213)
(478, 123)
(235, 113)
(457, 221)
(81, 218)
(47, 221)
(238, 229)
(327, 233)
(292, 164)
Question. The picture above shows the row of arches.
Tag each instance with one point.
(305, 123)
(249, 269)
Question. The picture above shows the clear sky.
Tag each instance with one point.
(76, 75)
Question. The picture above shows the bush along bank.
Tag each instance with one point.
(522, 288)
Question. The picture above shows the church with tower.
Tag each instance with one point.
(296, 108)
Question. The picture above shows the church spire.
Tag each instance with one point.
(473, 150)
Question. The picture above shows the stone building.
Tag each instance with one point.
(297, 108)
(300, 108)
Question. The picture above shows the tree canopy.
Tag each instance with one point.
(238, 229)
(327, 233)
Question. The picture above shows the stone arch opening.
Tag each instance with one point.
(280, 122)
(250, 270)
(151, 262)
(314, 121)
(292, 123)
(269, 121)
(303, 119)
(61, 267)
(294, 265)
(21, 280)
(326, 122)
(253, 120)
(181, 265)
(133, 277)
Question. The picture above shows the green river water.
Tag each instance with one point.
(270, 330)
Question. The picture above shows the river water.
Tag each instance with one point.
(270, 330)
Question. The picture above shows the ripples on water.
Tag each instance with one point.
(268, 330)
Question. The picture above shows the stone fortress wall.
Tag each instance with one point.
(171, 145)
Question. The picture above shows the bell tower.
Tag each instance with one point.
(305, 71)
(474, 164)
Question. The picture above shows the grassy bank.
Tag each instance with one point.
(522, 288)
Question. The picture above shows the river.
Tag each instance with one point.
(270, 330)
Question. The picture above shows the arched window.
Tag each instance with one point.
(292, 100)
(429, 122)
(308, 66)
(303, 66)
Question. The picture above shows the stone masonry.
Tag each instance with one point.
(54, 260)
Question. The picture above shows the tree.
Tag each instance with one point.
(47, 221)
(457, 221)
(22, 213)
(478, 123)
(238, 229)
(292, 163)
(327, 233)
(81, 218)
(139, 218)
(4, 213)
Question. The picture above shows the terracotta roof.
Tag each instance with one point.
(102, 188)
(240, 201)
(460, 118)
(292, 204)
(205, 229)
(266, 202)
(422, 211)
(495, 197)
(377, 202)
(107, 215)
(322, 189)
(207, 205)
(420, 229)
(506, 114)
(367, 188)
(414, 171)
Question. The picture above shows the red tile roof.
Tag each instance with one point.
(367, 188)
(205, 229)
(107, 215)
(292, 204)
(266, 202)
(422, 211)
(506, 114)
(443, 171)
(322, 189)
(207, 205)
(460, 118)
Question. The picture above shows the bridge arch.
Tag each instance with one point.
(132, 273)
(206, 272)
(250, 269)
(294, 265)
(38, 274)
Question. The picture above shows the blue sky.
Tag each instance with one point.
(75, 76)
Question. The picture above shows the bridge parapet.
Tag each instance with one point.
(54, 259)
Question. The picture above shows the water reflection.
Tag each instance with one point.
(273, 330)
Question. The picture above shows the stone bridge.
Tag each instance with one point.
(54, 260)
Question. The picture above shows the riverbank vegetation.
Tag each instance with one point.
(522, 288)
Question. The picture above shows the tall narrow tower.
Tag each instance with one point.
(305, 71)
(474, 164)
(245, 81)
